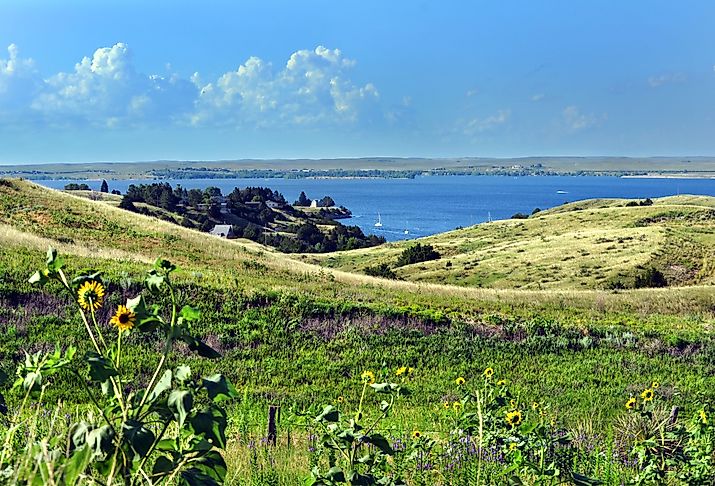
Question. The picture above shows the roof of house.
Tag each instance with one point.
(221, 229)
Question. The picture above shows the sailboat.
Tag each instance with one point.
(379, 221)
(407, 232)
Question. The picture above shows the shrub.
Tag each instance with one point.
(382, 270)
(416, 254)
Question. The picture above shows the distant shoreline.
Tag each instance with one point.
(670, 176)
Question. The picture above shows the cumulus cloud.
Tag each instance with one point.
(475, 126)
(666, 78)
(105, 89)
(19, 81)
(313, 87)
(575, 120)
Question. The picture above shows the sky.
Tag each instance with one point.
(84, 81)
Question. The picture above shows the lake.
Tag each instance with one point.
(434, 204)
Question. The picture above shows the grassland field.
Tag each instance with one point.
(298, 330)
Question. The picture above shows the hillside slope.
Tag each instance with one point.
(589, 244)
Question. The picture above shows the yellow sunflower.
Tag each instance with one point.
(514, 418)
(513, 446)
(416, 434)
(501, 382)
(124, 319)
(460, 381)
(457, 406)
(341, 399)
(647, 395)
(489, 372)
(446, 405)
(703, 416)
(401, 371)
(631, 403)
(368, 377)
(90, 295)
(655, 385)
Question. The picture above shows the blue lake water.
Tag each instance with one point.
(433, 204)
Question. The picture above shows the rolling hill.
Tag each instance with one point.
(594, 244)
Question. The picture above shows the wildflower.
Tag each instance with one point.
(457, 406)
(535, 406)
(341, 399)
(410, 370)
(90, 295)
(501, 382)
(416, 434)
(401, 371)
(655, 385)
(647, 395)
(460, 381)
(631, 403)
(703, 416)
(368, 377)
(446, 405)
(512, 403)
(513, 446)
(124, 318)
(488, 372)
(514, 418)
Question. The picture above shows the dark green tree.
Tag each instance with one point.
(104, 187)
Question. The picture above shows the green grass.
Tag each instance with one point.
(297, 334)
(584, 245)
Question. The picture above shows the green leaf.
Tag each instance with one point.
(190, 313)
(219, 388)
(100, 368)
(154, 282)
(76, 465)
(211, 423)
(199, 347)
(380, 442)
(39, 278)
(180, 402)
(182, 373)
(161, 386)
(100, 441)
(164, 265)
(139, 437)
(329, 414)
(335, 474)
(54, 261)
(162, 466)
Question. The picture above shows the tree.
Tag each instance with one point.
(417, 253)
(326, 202)
(104, 187)
(127, 203)
(309, 233)
(302, 200)
(194, 197)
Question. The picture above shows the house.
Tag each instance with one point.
(273, 204)
(314, 203)
(222, 230)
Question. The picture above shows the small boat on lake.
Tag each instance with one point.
(378, 224)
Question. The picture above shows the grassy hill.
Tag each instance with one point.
(297, 334)
(589, 244)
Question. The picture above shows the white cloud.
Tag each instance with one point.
(575, 120)
(312, 88)
(105, 89)
(478, 125)
(666, 78)
(538, 97)
(19, 81)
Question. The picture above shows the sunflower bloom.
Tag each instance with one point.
(647, 395)
(513, 446)
(514, 418)
(703, 416)
(460, 381)
(457, 406)
(446, 405)
(631, 403)
(124, 319)
(401, 371)
(90, 295)
(341, 399)
(655, 385)
(501, 382)
(489, 372)
(416, 434)
(368, 377)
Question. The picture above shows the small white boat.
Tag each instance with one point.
(378, 224)
(407, 232)
(561, 192)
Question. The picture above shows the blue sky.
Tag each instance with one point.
(130, 80)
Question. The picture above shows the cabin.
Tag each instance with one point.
(223, 231)
(314, 203)
(273, 204)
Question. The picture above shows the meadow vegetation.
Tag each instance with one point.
(301, 337)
